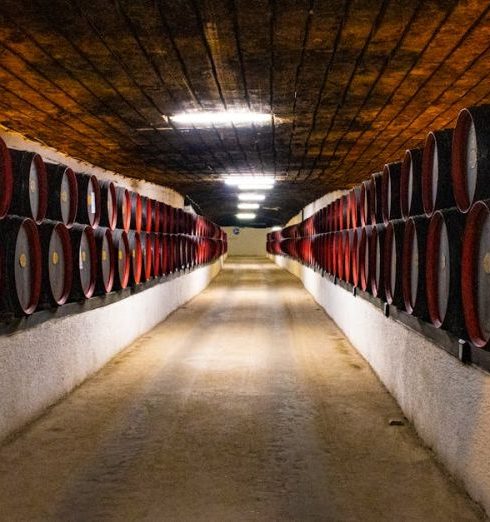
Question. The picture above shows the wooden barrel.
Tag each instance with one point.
(30, 189)
(134, 239)
(57, 263)
(471, 156)
(146, 251)
(165, 217)
(157, 220)
(21, 266)
(354, 256)
(104, 244)
(146, 214)
(354, 208)
(108, 204)
(364, 282)
(122, 249)
(413, 266)
(475, 274)
(84, 254)
(157, 253)
(89, 209)
(437, 185)
(343, 212)
(136, 212)
(376, 260)
(339, 252)
(347, 247)
(392, 275)
(443, 271)
(365, 202)
(377, 198)
(62, 194)
(123, 208)
(6, 179)
(390, 190)
(411, 184)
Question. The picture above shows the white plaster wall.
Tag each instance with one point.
(447, 402)
(250, 241)
(40, 365)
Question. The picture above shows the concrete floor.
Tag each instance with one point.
(246, 404)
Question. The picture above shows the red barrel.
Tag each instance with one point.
(30, 190)
(339, 250)
(443, 272)
(392, 275)
(157, 221)
(475, 270)
(84, 255)
(413, 266)
(136, 212)
(62, 194)
(343, 212)
(146, 250)
(108, 204)
(355, 207)
(411, 183)
(123, 208)
(21, 266)
(470, 156)
(391, 192)
(136, 257)
(89, 208)
(364, 282)
(105, 260)
(57, 263)
(365, 202)
(376, 260)
(348, 245)
(6, 179)
(146, 214)
(377, 198)
(123, 259)
(354, 256)
(437, 186)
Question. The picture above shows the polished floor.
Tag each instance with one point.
(246, 404)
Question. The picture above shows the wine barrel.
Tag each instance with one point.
(108, 204)
(390, 190)
(413, 266)
(57, 263)
(471, 156)
(364, 282)
(344, 212)
(392, 275)
(62, 194)
(475, 270)
(135, 247)
(6, 179)
(104, 244)
(443, 271)
(365, 202)
(411, 184)
(146, 251)
(156, 251)
(437, 185)
(348, 246)
(89, 209)
(123, 208)
(157, 220)
(84, 254)
(136, 212)
(339, 253)
(123, 252)
(354, 256)
(376, 260)
(146, 214)
(354, 208)
(377, 198)
(21, 266)
(30, 190)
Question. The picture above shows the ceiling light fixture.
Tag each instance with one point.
(245, 215)
(248, 206)
(221, 118)
(252, 180)
(250, 186)
(250, 196)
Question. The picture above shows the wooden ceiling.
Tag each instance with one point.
(352, 83)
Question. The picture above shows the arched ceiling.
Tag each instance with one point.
(351, 83)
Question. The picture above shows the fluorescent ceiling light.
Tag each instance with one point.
(253, 180)
(250, 196)
(250, 186)
(276, 228)
(245, 215)
(219, 118)
(248, 206)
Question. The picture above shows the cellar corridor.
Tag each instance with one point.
(245, 404)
